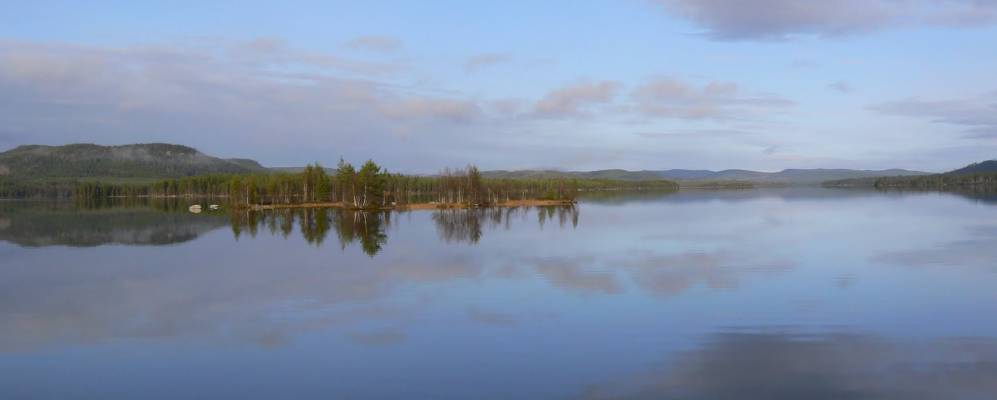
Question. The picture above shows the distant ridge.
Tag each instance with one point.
(149, 160)
(788, 176)
(976, 176)
(614, 174)
(161, 160)
(977, 168)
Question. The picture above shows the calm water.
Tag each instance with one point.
(769, 294)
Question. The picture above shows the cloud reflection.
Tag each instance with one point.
(773, 366)
(979, 250)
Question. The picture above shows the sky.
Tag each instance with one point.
(575, 85)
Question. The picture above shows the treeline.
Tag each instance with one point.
(367, 187)
(939, 182)
(24, 189)
(948, 182)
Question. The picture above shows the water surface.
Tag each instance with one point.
(769, 294)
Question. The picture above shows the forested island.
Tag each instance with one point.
(92, 173)
(368, 187)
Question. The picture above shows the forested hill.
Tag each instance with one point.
(989, 166)
(974, 176)
(152, 160)
(788, 176)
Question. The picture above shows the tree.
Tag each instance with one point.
(308, 177)
(346, 180)
(474, 187)
(321, 184)
(234, 189)
(370, 181)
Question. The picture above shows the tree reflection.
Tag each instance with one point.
(366, 227)
(467, 225)
(369, 228)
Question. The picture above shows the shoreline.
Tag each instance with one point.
(415, 206)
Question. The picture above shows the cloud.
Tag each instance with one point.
(378, 338)
(658, 98)
(508, 107)
(687, 133)
(418, 108)
(671, 98)
(774, 365)
(480, 61)
(236, 97)
(275, 52)
(273, 101)
(840, 87)
(987, 132)
(785, 19)
(976, 251)
(977, 114)
(804, 63)
(571, 275)
(383, 44)
(670, 274)
(660, 274)
(490, 318)
(576, 99)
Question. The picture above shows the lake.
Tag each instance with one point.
(797, 293)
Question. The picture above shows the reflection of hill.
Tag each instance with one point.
(982, 194)
(48, 224)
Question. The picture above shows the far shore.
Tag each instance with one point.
(417, 206)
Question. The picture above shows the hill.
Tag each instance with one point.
(976, 168)
(152, 160)
(609, 174)
(784, 177)
(787, 176)
(977, 176)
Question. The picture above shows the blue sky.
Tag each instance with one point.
(418, 86)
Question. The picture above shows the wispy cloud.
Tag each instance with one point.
(977, 114)
(785, 19)
(672, 98)
(841, 87)
(229, 95)
(693, 133)
(453, 110)
(576, 99)
(485, 60)
(384, 44)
